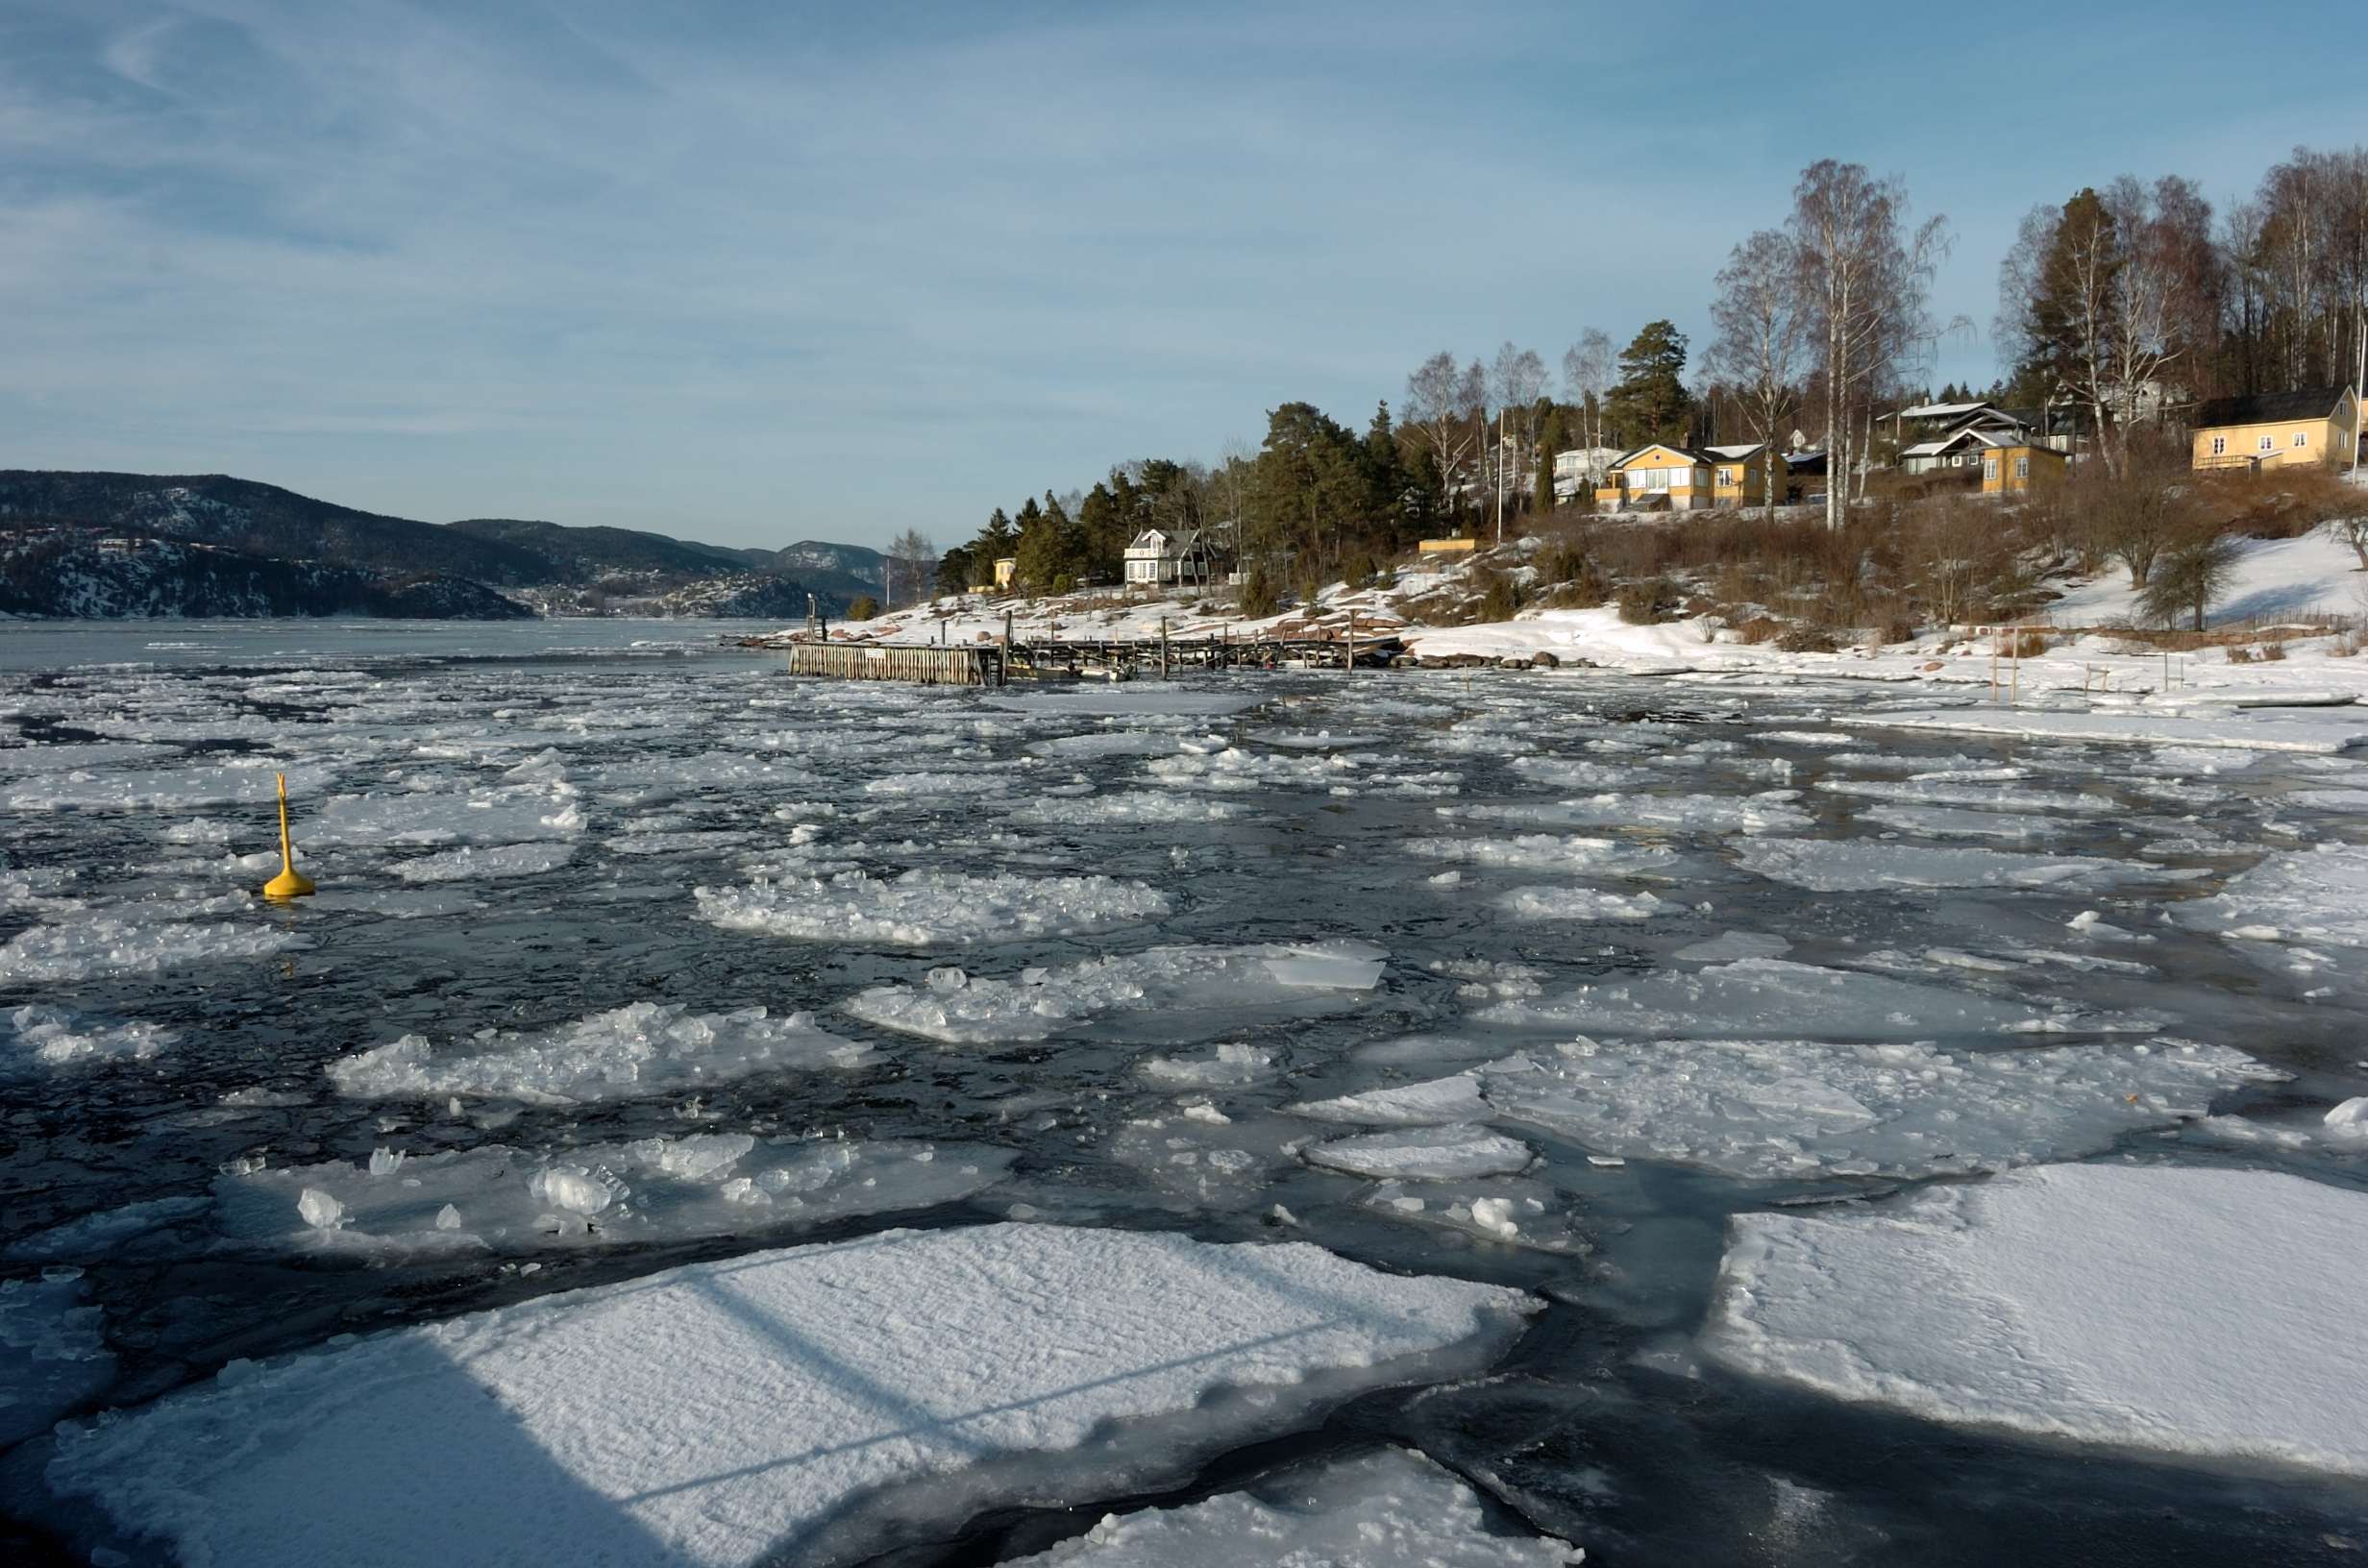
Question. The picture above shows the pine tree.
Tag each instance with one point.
(1651, 402)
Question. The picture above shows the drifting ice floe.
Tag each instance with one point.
(1772, 810)
(922, 909)
(104, 944)
(958, 1009)
(722, 1413)
(1857, 865)
(506, 1200)
(1430, 1104)
(1507, 1209)
(1551, 903)
(1771, 1109)
(1772, 998)
(1225, 1066)
(49, 1038)
(2318, 896)
(1548, 852)
(1443, 1154)
(644, 1048)
(1133, 808)
(2198, 1312)
(1237, 770)
(1391, 1510)
(472, 863)
(52, 1354)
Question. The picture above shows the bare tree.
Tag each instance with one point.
(1516, 381)
(1229, 488)
(1758, 315)
(1864, 280)
(912, 561)
(1587, 379)
(1438, 406)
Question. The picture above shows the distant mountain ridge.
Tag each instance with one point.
(359, 560)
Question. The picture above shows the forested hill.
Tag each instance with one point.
(243, 524)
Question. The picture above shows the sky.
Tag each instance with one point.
(753, 273)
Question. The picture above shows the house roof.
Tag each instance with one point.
(1939, 410)
(2269, 407)
(1974, 434)
(1173, 541)
(1627, 457)
(1736, 455)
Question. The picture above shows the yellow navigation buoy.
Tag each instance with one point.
(290, 883)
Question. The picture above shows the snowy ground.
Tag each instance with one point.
(2274, 582)
(1118, 1126)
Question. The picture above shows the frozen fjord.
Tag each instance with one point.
(1128, 960)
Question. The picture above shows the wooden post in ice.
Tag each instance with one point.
(1163, 647)
(1348, 661)
(1003, 665)
(1994, 635)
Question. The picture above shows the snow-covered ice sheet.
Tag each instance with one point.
(1777, 1109)
(640, 1049)
(926, 908)
(1456, 1152)
(721, 1413)
(1391, 1510)
(2304, 896)
(957, 1008)
(2201, 1312)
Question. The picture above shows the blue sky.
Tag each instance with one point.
(753, 273)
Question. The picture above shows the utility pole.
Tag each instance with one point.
(1500, 476)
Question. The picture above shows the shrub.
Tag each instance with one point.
(1646, 603)
(1500, 597)
(1806, 640)
(2273, 653)
(2239, 654)
(1259, 595)
(2027, 645)
(862, 608)
(1760, 629)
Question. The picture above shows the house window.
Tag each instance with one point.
(2219, 446)
(2022, 468)
(2269, 443)
(1989, 468)
(2302, 438)
(1726, 475)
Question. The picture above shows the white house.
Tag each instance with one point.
(1578, 468)
(1169, 557)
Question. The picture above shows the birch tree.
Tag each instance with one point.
(1587, 379)
(1758, 315)
(1438, 406)
(1864, 279)
(1516, 381)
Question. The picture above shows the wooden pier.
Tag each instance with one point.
(1009, 658)
(889, 661)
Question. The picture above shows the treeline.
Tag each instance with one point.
(2122, 307)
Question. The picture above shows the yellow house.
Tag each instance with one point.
(2318, 425)
(2012, 468)
(1448, 547)
(1656, 476)
(1004, 567)
(1739, 473)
